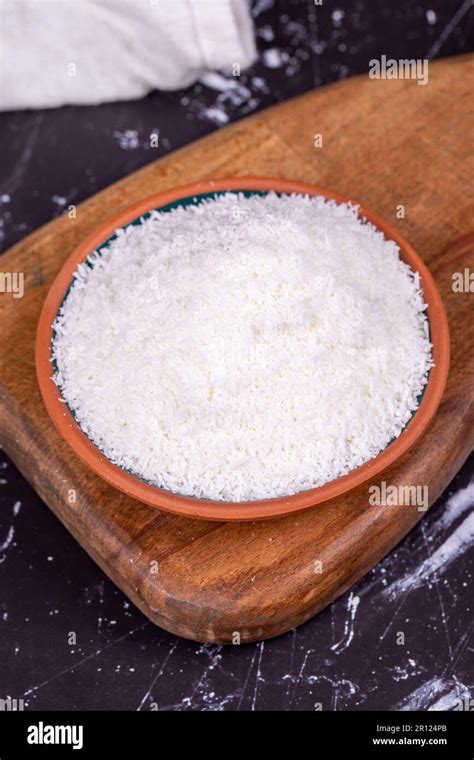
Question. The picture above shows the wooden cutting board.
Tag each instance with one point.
(386, 144)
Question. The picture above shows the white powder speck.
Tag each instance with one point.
(259, 84)
(261, 6)
(128, 139)
(227, 334)
(435, 694)
(352, 605)
(274, 58)
(431, 17)
(337, 15)
(10, 535)
(266, 33)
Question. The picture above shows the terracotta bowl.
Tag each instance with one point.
(212, 510)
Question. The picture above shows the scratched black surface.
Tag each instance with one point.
(348, 657)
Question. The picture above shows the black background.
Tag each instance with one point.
(49, 586)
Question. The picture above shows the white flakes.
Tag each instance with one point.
(431, 17)
(459, 503)
(436, 694)
(231, 92)
(244, 348)
(216, 115)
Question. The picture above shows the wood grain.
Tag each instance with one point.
(385, 143)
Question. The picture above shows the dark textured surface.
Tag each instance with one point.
(349, 656)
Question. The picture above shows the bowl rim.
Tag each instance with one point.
(189, 506)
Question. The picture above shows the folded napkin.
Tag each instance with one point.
(58, 52)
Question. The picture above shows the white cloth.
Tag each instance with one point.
(58, 52)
